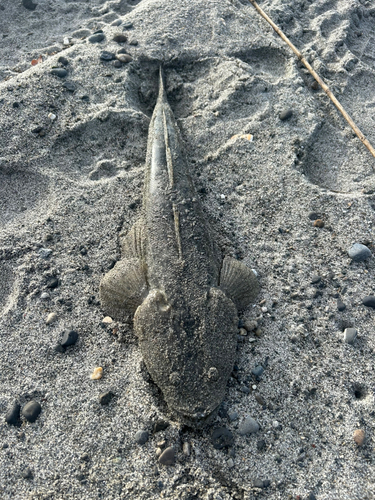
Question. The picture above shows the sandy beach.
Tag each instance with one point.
(286, 187)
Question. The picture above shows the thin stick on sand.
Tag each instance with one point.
(317, 78)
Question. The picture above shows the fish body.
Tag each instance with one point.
(184, 297)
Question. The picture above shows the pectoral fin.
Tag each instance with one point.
(123, 288)
(133, 244)
(238, 282)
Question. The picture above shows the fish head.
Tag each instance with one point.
(189, 349)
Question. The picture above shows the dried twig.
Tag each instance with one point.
(317, 78)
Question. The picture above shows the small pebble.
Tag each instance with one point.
(69, 86)
(315, 85)
(117, 64)
(369, 301)
(222, 438)
(45, 296)
(69, 338)
(29, 5)
(51, 318)
(233, 416)
(160, 425)
(266, 483)
(260, 400)
(230, 463)
(106, 398)
(167, 457)
(258, 372)
(359, 437)
(52, 282)
(315, 279)
(248, 426)
(124, 58)
(350, 335)
(97, 373)
(116, 23)
(60, 72)
(96, 38)
(261, 444)
(12, 416)
(27, 473)
(340, 305)
(186, 448)
(311, 496)
(63, 60)
(107, 56)
(286, 114)
(66, 41)
(45, 253)
(133, 42)
(243, 332)
(318, 223)
(314, 216)
(52, 117)
(141, 437)
(359, 252)
(107, 320)
(127, 25)
(31, 411)
(258, 483)
(120, 38)
(250, 325)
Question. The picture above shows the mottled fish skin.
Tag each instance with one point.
(184, 297)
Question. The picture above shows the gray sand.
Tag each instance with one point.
(73, 183)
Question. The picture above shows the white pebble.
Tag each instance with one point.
(264, 309)
(254, 387)
(66, 41)
(97, 373)
(52, 117)
(51, 318)
(222, 196)
(44, 296)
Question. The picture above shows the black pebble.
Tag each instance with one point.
(69, 86)
(286, 114)
(340, 305)
(27, 473)
(106, 398)
(31, 411)
(314, 216)
(63, 60)
(369, 301)
(28, 4)
(60, 72)
(59, 348)
(69, 338)
(261, 444)
(120, 38)
(222, 438)
(37, 130)
(311, 497)
(52, 282)
(266, 483)
(117, 64)
(107, 56)
(96, 38)
(13, 415)
(160, 425)
(16, 105)
(315, 279)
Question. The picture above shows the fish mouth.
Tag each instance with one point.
(197, 419)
